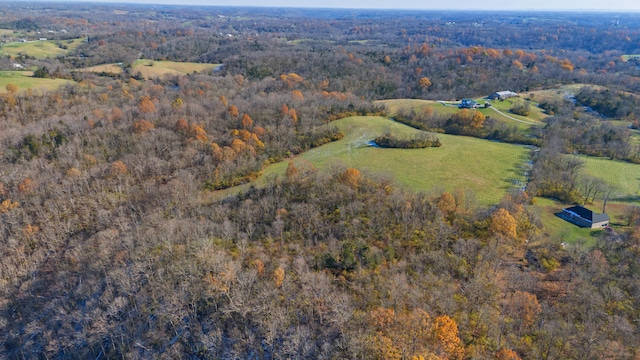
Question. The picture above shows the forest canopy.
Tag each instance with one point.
(135, 220)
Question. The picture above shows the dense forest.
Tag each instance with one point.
(121, 235)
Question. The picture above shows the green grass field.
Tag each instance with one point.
(24, 81)
(488, 168)
(41, 49)
(623, 176)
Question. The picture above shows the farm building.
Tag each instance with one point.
(469, 104)
(584, 217)
(501, 95)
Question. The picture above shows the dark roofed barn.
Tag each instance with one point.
(584, 217)
(469, 104)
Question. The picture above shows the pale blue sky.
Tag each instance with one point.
(610, 5)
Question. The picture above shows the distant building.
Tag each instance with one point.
(501, 95)
(43, 39)
(584, 217)
(469, 104)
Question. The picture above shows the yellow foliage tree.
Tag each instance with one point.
(477, 120)
(502, 223)
(11, 88)
(8, 205)
(177, 103)
(278, 276)
(425, 82)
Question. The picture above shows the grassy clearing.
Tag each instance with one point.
(623, 176)
(41, 49)
(396, 104)
(106, 68)
(488, 168)
(151, 68)
(24, 81)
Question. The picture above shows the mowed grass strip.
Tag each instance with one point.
(25, 81)
(488, 168)
(41, 49)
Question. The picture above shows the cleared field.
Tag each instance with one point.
(488, 168)
(41, 49)
(623, 176)
(152, 68)
(106, 68)
(24, 81)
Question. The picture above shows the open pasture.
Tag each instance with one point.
(24, 81)
(488, 168)
(41, 49)
(624, 177)
(152, 68)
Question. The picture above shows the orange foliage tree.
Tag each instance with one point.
(445, 331)
(146, 105)
(142, 126)
(233, 111)
(247, 122)
(26, 186)
(350, 177)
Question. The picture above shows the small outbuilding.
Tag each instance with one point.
(583, 217)
(502, 95)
